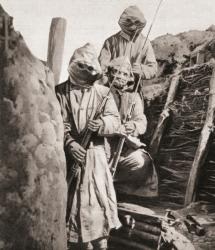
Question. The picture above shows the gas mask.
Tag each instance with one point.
(132, 21)
(84, 68)
(120, 74)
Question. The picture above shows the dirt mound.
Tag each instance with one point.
(172, 49)
(167, 45)
(194, 38)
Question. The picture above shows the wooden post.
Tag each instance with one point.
(56, 46)
(202, 150)
(164, 116)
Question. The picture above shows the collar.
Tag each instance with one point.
(74, 85)
(128, 37)
(124, 35)
(118, 91)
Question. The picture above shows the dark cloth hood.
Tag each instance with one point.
(84, 68)
(132, 20)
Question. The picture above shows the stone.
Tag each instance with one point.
(33, 189)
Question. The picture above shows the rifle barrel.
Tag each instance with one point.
(117, 155)
(86, 138)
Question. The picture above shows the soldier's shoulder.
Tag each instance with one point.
(61, 87)
(133, 96)
(101, 89)
(113, 37)
(144, 38)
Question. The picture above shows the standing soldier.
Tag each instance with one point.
(136, 174)
(131, 43)
(92, 207)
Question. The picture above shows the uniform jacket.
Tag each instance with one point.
(93, 209)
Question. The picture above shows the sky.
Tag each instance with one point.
(95, 20)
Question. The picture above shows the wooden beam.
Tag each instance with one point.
(129, 244)
(164, 116)
(202, 149)
(56, 46)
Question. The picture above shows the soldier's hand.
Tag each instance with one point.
(77, 152)
(104, 79)
(136, 68)
(129, 127)
(94, 125)
(212, 62)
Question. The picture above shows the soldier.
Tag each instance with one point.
(136, 174)
(131, 43)
(92, 207)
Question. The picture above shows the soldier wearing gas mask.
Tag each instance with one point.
(92, 208)
(130, 42)
(135, 174)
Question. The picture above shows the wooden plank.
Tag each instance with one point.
(56, 46)
(128, 244)
(139, 213)
(202, 150)
(145, 227)
(164, 117)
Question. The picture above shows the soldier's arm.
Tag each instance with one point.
(111, 118)
(105, 55)
(139, 118)
(68, 139)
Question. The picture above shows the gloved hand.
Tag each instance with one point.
(136, 68)
(104, 79)
(212, 62)
(94, 125)
(129, 127)
(77, 152)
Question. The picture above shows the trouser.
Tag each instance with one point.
(98, 244)
(136, 174)
(133, 166)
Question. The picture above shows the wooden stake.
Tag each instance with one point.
(56, 46)
(202, 150)
(164, 116)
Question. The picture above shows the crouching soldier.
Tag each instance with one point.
(92, 207)
(136, 174)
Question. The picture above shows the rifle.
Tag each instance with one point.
(128, 117)
(87, 134)
(86, 139)
(122, 139)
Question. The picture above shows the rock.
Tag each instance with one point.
(32, 162)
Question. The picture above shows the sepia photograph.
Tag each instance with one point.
(107, 117)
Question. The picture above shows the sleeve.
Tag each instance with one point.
(68, 139)
(110, 117)
(139, 118)
(105, 56)
(149, 63)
